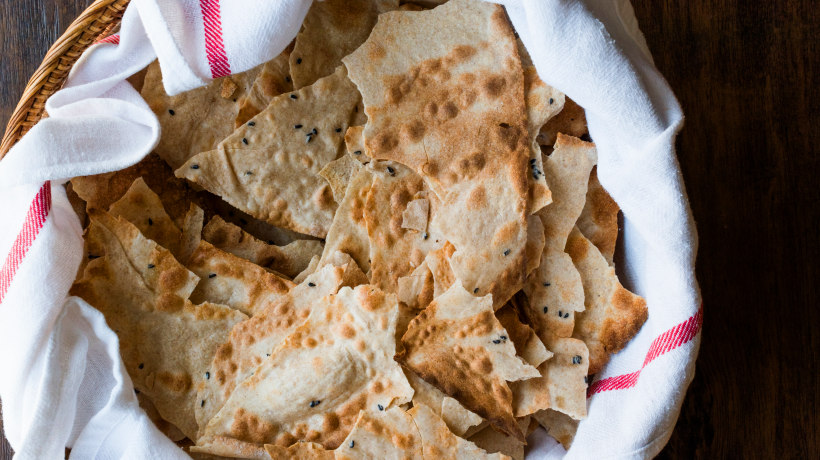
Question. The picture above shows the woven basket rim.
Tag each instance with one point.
(96, 22)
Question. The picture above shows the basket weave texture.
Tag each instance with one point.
(95, 23)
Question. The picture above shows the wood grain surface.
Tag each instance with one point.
(746, 75)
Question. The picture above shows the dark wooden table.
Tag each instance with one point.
(746, 75)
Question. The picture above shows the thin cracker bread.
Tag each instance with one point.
(457, 417)
(560, 426)
(599, 219)
(492, 440)
(165, 340)
(571, 121)
(196, 120)
(273, 79)
(554, 291)
(425, 108)
(613, 315)
(543, 103)
(253, 340)
(331, 30)
(342, 359)
(233, 281)
(562, 385)
(143, 208)
(290, 259)
(527, 344)
(394, 250)
(338, 173)
(458, 345)
(269, 167)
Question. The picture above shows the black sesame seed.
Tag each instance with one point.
(194, 166)
(496, 342)
(551, 101)
(293, 96)
(425, 235)
(141, 365)
(391, 170)
(535, 175)
(248, 173)
(546, 284)
(357, 152)
(268, 354)
(202, 404)
(251, 123)
(92, 257)
(475, 290)
(151, 265)
(212, 275)
(576, 359)
(150, 221)
(207, 375)
(546, 309)
(506, 252)
(297, 126)
(560, 313)
(532, 161)
(315, 403)
(171, 112)
(245, 141)
(352, 443)
(338, 130)
(312, 284)
(298, 60)
(566, 315)
(308, 138)
(380, 407)
(503, 337)
(315, 131)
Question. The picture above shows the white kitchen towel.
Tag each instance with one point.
(61, 379)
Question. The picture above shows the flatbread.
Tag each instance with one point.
(492, 440)
(234, 281)
(143, 208)
(458, 345)
(543, 103)
(527, 344)
(536, 240)
(560, 426)
(269, 167)
(252, 341)
(102, 190)
(439, 442)
(331, 30)
(389, 434)
(299, 451)
(424, 110)
(599, 219)
(338, 173)
(457, 417)
(554, 290)
(570, 121)
(191, 234)
(613, 315)
(273, 80)
(562, 385)
(143, 293)
(394, 250)
(342, 361)
(415, 215)
(439, 263)
(196, 120)
(416, 289)
(289, 260)
(348, 232)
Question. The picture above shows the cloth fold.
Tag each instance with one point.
(62, 381)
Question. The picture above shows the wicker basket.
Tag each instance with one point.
(96, 22)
